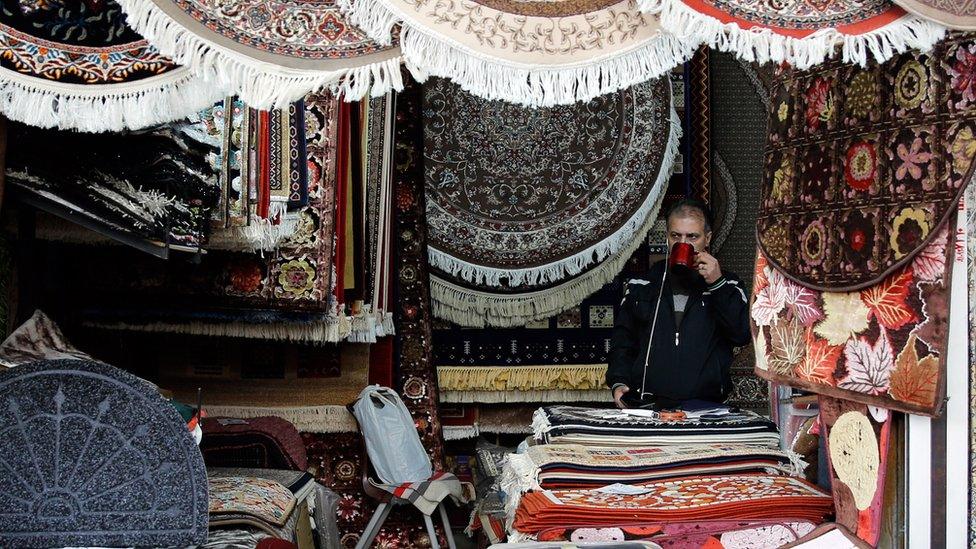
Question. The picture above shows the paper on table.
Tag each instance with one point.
(623, 489)
(640, 412)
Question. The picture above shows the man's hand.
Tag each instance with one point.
(708, 267)
(618, 394)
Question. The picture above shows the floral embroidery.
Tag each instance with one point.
(963, 149)
(297, 277)
(911, 85)
(812, 243)
(783, 112)
(909, 229)
(911, 158)
(963, 73)
(783, 181)
(862, 94)
(862, 163)
(820, 103)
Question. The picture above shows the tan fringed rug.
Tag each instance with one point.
(562, 383)
(310, 391)
(530, 53)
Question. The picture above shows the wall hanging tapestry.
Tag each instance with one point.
(152, 188)
(951, 13)
(416, 378)
(523, 225)
(537, 54)
(799, 33)
(857, 448)
(77, 65)
(883, 345)
(93, 455)
(269, 52)
(755, 496)
(865, 166)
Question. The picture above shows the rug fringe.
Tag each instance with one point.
(104, 108)
(260, 84)
(519, 475)
(476, 309)
(332, 330)
(764, 45)
(540, 424)
(521, 378)
(307, 419)
(426, 54)
(496, 397)
(460, 432)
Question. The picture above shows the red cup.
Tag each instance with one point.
(682, 254)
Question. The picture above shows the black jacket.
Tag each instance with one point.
(687, 362)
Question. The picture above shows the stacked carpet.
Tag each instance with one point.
(553, 466)
(611, 427)
(752, 496)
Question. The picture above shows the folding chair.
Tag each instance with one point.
(401, 444)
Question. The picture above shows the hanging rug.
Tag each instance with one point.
(865, 166)
(269, 52)
(951, 13)
(884, 345)
(74, 64)
(802, 34)
(531, 210)
(538, 53)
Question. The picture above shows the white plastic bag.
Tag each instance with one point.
(392, 441)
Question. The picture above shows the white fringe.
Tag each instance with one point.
(363, 327)
(328, 331)
(260, 84)
(540, 424)
(104, 107)
(426, 54)
(479, 309)
(494, 397)
(763, 45)
(519, 475)
(460, 432)
(307, 419)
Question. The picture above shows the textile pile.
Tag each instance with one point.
(614, 475)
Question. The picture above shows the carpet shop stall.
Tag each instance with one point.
(347, 273)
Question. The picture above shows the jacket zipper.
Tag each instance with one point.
(676, 339)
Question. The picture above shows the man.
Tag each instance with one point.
(702, 314)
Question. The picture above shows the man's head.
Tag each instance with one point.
(689, 221)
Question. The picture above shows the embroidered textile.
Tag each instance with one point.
(152, 189)
(883, 345)
(725, 534)
(565, 213)
(270, 52)
(77, 65)
(531, 53)
(416, 378)
(717, 497)
(612, 427)
(265, 499)
(951, 13)
(573, 465)
(799, 33)
(426, 495)
(865, 166)
(93, 455)
(857, 444)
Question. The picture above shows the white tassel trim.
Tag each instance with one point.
(460, 432)
(307, 419)
(763, 45)
(519, 475)
(540, 424)
(104, 107)
(479, 309)
(326, 331)
(260, 84)
(426, 54)
(506, 396)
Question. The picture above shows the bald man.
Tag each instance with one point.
(703, 314)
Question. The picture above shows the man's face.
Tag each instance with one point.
(690, 229)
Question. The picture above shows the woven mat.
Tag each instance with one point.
(884, 345)
(270, 52)
(799, 33)
(95, 456)
(529, 226)
(77, 65)
(865, 166)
